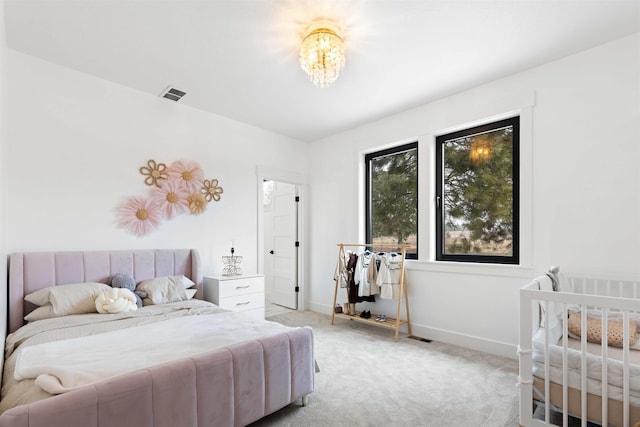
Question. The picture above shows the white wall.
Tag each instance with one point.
(76, 144)
(580, 191)
(3, 172)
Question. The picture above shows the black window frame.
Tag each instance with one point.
(439, 222)
(368, 217)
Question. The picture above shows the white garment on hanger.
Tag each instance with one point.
(340, 274)
(361, 273)
(389, 275)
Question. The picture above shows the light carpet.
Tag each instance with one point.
(368, 379)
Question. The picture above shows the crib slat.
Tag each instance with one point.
(604, 383)
(547, 376)
(583, 365)
(625, 368)
(565, 370)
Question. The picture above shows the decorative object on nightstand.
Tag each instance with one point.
(232, 264)
(238, 293)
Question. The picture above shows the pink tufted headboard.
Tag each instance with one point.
(30, 271)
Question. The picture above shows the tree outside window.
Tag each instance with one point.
(392, 198)
(477, 194)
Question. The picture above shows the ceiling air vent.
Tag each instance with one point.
(173, 94)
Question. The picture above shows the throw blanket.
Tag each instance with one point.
(116, 300)
(62, 366)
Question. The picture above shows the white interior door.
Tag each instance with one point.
(281, 257)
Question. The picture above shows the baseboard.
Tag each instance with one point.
(320, 308)
(467, 341)
(454, 338)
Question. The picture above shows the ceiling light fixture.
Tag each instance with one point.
(322, 53)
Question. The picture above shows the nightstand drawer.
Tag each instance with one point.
(235, 287)
(243, 302)
(236, 293)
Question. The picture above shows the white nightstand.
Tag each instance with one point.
(236, 293)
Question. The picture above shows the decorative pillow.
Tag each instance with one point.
(191, 293)
(116, 300)
(163, 290)
(40, 313)
(615, 330)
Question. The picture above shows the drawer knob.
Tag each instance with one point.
(243, 287)
(243, 303)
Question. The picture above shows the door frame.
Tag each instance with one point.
(302, 184)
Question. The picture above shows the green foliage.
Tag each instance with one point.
(478, 196)
(394, 198)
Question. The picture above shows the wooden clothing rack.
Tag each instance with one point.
(391, 323)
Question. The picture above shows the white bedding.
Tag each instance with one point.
(62, 366)
(594, 367)
(100, 338)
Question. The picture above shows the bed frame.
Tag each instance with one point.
(234, 386)
(593, 292)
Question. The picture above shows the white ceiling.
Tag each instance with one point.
(239, 59)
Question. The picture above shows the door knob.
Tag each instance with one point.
(271, 252)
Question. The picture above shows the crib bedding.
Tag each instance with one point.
(594, 367)
(61, 354)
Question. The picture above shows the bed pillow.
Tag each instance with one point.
(40, 313)
(163, 290)
(74, 298)
(39, 297)
(77, 298)
(615, 330)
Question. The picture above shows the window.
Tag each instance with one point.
(477, 194)
(392, 197)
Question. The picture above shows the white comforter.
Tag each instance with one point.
(108, 356)
(62, 366)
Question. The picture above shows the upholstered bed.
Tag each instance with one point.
(107, 369)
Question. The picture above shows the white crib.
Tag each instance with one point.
(556, 366)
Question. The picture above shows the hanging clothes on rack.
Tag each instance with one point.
(353, 291)
(387, 269)
(366, 286)
(340, 275)
(389, 275)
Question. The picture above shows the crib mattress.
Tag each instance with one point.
(594, 404)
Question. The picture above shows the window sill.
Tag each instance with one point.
(451, 267)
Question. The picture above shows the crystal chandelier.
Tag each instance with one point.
(322, 53)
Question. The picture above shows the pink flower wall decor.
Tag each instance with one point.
(188, 172)
(177, 189)
(172, 197)
(197, 203)
(140, 215)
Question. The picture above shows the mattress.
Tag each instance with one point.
(594, 367)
